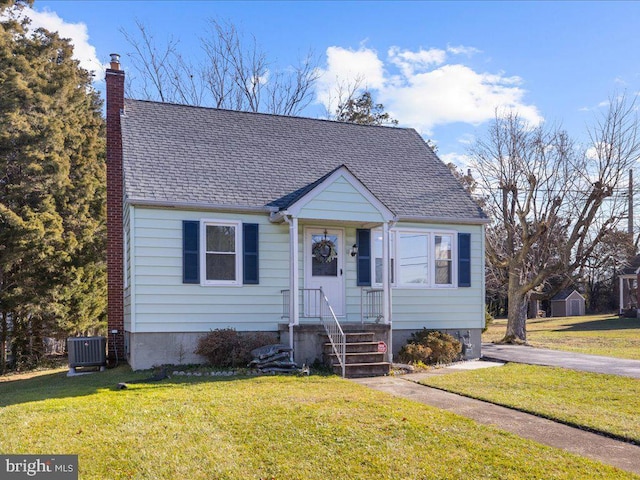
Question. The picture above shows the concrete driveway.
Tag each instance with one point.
(556, 358)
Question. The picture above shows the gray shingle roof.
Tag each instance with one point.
(183, 154)
(563, 294)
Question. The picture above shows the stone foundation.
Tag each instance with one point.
(147, 350)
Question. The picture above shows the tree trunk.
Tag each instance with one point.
(517, 313)
(4, 327)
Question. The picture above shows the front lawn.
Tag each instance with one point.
(267, 427)
(606, 403)
(595, 334)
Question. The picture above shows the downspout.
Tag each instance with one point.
(294, 307)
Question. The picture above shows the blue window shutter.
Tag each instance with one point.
(363, 241)
(190, 251)
(464, 259)
(250, 254)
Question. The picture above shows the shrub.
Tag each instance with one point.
(488, 320)
(444, 348)
(226, 347)
(413, 353)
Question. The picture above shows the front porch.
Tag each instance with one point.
(333, 266)
(322, 335)
(628, 293)
(311, 341)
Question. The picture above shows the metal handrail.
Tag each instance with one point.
(315, 304)
(334, 331)
(371, 304)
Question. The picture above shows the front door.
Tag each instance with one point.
(324, 266)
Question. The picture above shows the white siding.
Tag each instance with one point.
(126, 220)
(341, 201)
(444, 308)
(413, 308)
(163, 303)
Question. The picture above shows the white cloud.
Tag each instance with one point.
(462, 50)
(346, 69)
(598, 150)
(425, 91)
(467, 139)
(455, 93)
(460, 160)
(599, 105)
(409, 62)
(83, 51)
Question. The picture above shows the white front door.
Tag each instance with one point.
(324, 266)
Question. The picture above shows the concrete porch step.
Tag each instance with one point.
(354, 347)
(362, 358)
(361, 370)
(359, 337)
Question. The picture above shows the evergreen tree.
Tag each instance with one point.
(52, 189)
(364, 111)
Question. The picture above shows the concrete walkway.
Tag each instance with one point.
(557, 358)
(611, 452)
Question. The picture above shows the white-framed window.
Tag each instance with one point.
(443, 259)
(419, 258)
(413, 254)
(377, 256)
(220, 259)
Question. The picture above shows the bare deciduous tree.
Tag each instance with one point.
(234, 73)
(551, 205)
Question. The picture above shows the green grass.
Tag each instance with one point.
(594, 334)
(314, 427)
(605, 403)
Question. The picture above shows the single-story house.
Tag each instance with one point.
(215, 217)
(567, 303)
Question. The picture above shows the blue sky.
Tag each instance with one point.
(440, 67)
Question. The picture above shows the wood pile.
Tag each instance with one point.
(273, 359)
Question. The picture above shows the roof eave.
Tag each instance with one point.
(143, 202)
(448, 220)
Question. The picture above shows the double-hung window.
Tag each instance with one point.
(377, 254)
(443, 250)
(222, 258)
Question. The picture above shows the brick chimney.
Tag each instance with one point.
(115, 260)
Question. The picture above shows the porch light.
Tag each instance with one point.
(354, 250)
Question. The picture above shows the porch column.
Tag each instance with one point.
(386, 287)
(294, 281)
(621, 294)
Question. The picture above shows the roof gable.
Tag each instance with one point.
(328, 197)
(176, 154)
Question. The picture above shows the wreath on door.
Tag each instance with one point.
(324, 251)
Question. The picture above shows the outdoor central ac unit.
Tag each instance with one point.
(87, 352)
